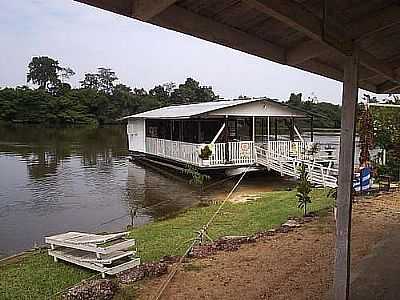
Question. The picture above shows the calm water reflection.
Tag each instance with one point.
(54, 180)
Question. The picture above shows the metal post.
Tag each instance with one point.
(345, 181)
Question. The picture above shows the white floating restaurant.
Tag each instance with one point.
(224, 134)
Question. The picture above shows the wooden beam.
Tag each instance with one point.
(345, 180)
(376, 22)
(292, 14)
(378, 66)
(388, 87)
(122, 7)
(305, 51)
(298, 17)
(319, 68)
(182, 20)
(147, 9)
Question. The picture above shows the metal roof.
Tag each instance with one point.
(188, 110)
(198, 109)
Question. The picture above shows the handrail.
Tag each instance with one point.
(287, 165)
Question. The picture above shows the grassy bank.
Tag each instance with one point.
(35, 276)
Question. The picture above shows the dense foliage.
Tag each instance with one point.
(327, 114)
(386, 123)
(99, 100)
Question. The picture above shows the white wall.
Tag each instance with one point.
(258, 109)
(136, 135)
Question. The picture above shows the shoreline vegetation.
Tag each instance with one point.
(35, 276)
(102, 99)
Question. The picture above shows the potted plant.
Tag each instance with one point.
(205, 153)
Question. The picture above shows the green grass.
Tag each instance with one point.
(36, 276)
(172, 236)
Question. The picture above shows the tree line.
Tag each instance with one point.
(102, 99)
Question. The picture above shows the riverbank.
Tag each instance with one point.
(35, 276)
(298, 264)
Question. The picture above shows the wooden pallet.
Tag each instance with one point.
(108, 254)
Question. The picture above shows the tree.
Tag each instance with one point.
(106, 79)
(91, 81)
(295, 99)
(43, 71)
(365, 128)
(303, 189)
(103, 80)
(192, 92)
(66, 73)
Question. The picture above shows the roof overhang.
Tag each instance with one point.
(312, 35)
(219, 109)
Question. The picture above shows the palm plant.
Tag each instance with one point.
(303, 189)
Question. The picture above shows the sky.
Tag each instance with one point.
(142, 55)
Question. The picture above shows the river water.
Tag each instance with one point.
(57, 180)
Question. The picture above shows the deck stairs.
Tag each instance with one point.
(320, 174)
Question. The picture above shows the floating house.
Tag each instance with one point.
(222, 135)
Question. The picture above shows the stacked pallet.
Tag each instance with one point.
(107, 254)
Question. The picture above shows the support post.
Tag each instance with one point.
(268, 126)
(226, 139)
(345, 181)
(254, 129)
(276, 129)
(181, 131)
(312, 128)
(171, 129)
(291, 129)
(199, 131)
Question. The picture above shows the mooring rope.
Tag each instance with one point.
(199, 237)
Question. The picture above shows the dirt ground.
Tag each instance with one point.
(295, 265)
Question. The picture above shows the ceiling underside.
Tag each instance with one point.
(312, 35)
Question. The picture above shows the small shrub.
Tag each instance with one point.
(197, 178)
(303, 189)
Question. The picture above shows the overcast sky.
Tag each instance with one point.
(142, 55)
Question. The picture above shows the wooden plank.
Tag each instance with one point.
(345, 180)
(122, 7)
(182, 20)
(305, 51)
(147, 9)
(378, 21)
(290, 13)
(388, 87)
(298, 17)
(319, 68)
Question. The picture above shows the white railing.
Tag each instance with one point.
(218, 157)
(180, 151)
(287, 165)
(297, 150)
(241, 153)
